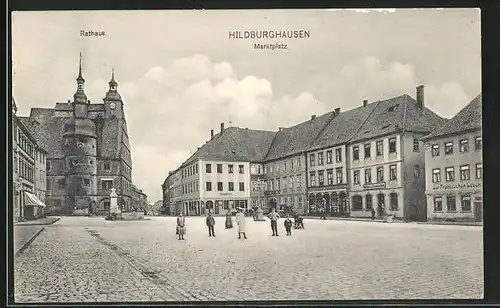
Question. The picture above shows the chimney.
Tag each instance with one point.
(280, 129)
(313, 117)
(211, 133)
(69, 101)
(365, 102)
(337, 111)
(221, 127)
(420, 97)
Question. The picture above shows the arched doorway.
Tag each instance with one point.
(209, 206)
(328, 204)
(320, 204)
(335, 204)
(312, 205)
(380, 204)
(344, 210)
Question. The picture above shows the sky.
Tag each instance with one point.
(180, 75)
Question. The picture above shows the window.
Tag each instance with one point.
(380, 174)
(339, 176)
(436, 175)
(299, 162)
(463, 146)
(367, 150)
(86, 182)
(451, 203)
(355, 153)
(416, 171)
(290, 182)
(299, 203)
(357, 203)
(208, 186)
(107, 184)
(231, 186)
(320, 158)
(478, 143)
(208, 168)
(466, 207)
(355, 177)
(448, 148)
(321, 178)
(392, 172)
(329, 177)
(329, 157)
(241, 169)
(49, 184)
(450, 174)
(312, 179)
(107, 166)
(278, 184)
(393, 197)
(272, 184)
(48, 165)
(369, 202)
(416, 145)
(435, 150)
(230, 168)
(464, 173)
(219, 186)
(438, 204)
(379, 145)
(312, 162)
(62, 183)
(479, 171)
(242, 186)
(338, 155)
(284, 165)
(299, 180)
(292, 202)
(196, 168)
(219, 168)
(368, 175)
(106, 205)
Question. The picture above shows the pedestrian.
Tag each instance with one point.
(240, 220)
(273, 216)
(288, 225)
(181, 226)
(229, 220)
(210, 224)
(323, 216)
(373, 214)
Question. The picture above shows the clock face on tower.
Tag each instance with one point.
(112, 105)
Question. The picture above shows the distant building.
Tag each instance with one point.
(156, 208)
(139, 200)
(28, 171)
(88, 151)
(387, 164)
(454, 167)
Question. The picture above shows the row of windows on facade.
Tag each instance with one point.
(26, 169)
(275, 184)
(105, 184)
(292, 201)
(450, 173)
(106, 166)
(463, 146)
(220, 186)
(329, 175)
(451, 203)
(379, 148)
(25, 144)
(277, 167)
(329, 157)
(230, 168)
(393, 174)
(357, 202)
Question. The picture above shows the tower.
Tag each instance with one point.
(80, 151)
(113, 101)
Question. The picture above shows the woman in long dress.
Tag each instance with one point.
(181, 226)
(240, 220)
(229, 220)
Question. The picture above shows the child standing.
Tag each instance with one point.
(288, 225)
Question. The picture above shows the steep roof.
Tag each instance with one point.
(469, 118)
(47, 133)
(235, 144)
(395, 114)
(342, 127)
(296, 139)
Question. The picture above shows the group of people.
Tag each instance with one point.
(240, 221)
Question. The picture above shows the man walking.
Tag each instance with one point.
(240, 220)
(273, 216)
(210, 225)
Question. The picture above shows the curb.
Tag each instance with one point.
(403, 222)
(38, 224)
(28, 243)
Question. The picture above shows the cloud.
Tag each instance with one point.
(171, 110)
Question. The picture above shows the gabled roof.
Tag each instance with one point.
(469, 118)
(296, 139)
(47, 131)
(342, 127)
(396, 114)
(235, 144)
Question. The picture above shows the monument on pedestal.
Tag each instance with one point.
(259, 215)
(114, 209)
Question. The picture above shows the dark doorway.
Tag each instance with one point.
(210, 206)
(380, 205)
(273, 204)
(343, 205)
(478, 211)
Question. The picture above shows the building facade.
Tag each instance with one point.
(454, 169)
(88, 151)
(257, 186)
(139, 200)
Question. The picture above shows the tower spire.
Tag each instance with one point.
(112, 93)
(80, 68)
(80, 96)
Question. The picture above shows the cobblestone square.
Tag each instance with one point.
(82, 259)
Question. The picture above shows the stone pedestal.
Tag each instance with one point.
(114, 209)
(259, 215)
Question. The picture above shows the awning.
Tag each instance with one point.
(30, 199)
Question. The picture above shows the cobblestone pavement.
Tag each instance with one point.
(90, 259)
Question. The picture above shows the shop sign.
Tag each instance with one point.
(457, 185)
